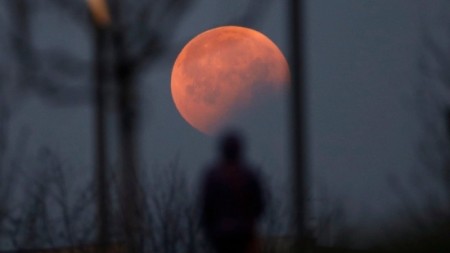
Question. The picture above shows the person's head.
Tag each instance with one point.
(231, 146)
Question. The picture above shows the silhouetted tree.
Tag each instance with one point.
(427, 206)
(433, 110)
(52, 211)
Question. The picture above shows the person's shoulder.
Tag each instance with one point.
(251, 171)
(250, 168)
(211, 172)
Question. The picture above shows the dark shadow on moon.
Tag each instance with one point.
(265, 116)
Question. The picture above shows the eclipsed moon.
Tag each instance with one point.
(223, 71)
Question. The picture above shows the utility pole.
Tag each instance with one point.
(298, 119)
(130, 196)
(101, 21)
(124, 71)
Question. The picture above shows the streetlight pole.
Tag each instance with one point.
(101, 20)
(298, 118)
(130, 196)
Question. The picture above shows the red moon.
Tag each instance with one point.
(223, 71)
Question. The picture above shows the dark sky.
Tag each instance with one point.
(362, 58)
(363, 71)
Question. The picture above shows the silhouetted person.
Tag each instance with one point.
(231, 199)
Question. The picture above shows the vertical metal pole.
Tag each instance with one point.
(130, 197)
(446, 174)
(298, 120)
(101, 20)
(127, 124)
(100, 129)
(447, 121)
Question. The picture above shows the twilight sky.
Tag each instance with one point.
(362, 58)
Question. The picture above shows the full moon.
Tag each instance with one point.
(224, 71)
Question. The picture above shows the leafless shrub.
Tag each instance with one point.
(424, 215)
(52, 212)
